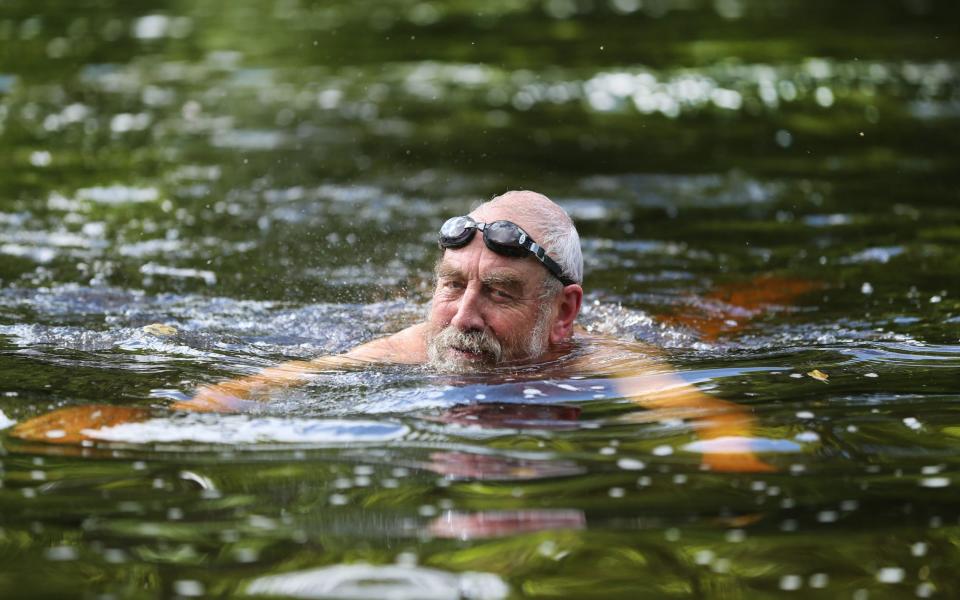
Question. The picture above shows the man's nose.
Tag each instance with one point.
(469, 315)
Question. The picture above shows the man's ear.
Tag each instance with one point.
(568, 307)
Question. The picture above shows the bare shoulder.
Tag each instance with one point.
(405, 347)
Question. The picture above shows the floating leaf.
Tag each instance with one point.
(160, 329)
(819, 375)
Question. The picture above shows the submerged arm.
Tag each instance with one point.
(72, 424)
(242, 393)
(647, 382)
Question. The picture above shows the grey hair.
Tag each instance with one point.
(556, 233)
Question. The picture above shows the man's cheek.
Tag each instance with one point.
(439, 305)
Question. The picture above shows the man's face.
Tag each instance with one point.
(487, 309)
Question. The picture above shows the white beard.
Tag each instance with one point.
(441, 347)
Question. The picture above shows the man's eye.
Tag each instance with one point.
(502, 295)
(452, 285)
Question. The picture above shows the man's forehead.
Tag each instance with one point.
(457, 264)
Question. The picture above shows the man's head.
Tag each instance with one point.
(489, 308)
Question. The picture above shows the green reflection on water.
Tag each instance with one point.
(178, 161)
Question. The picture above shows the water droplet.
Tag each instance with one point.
(791, 583)
(735, 536)
(40, 158)
(912, 423)
(890, 575)
(703, 557)
(721, 565)
(188, 587)
(61, 553)
(246, 555)
(827, 516)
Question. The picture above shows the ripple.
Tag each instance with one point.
(259, 326)
(241, 429)
(903, 354)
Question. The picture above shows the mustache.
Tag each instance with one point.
(476, 342)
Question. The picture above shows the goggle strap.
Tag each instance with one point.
(554, 268)
(548, 262)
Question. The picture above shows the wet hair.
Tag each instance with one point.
(551, 227)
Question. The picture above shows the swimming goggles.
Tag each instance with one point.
(503, 237)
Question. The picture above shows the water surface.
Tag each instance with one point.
(266, 179)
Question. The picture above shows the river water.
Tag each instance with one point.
(765, 191)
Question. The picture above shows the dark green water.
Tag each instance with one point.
(266, 177)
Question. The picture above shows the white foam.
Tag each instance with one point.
(6, 421)
(241, 429)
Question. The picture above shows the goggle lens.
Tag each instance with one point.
(457, 231)
(504, 237)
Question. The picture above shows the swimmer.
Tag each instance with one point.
(509, 287)
(508, 291)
